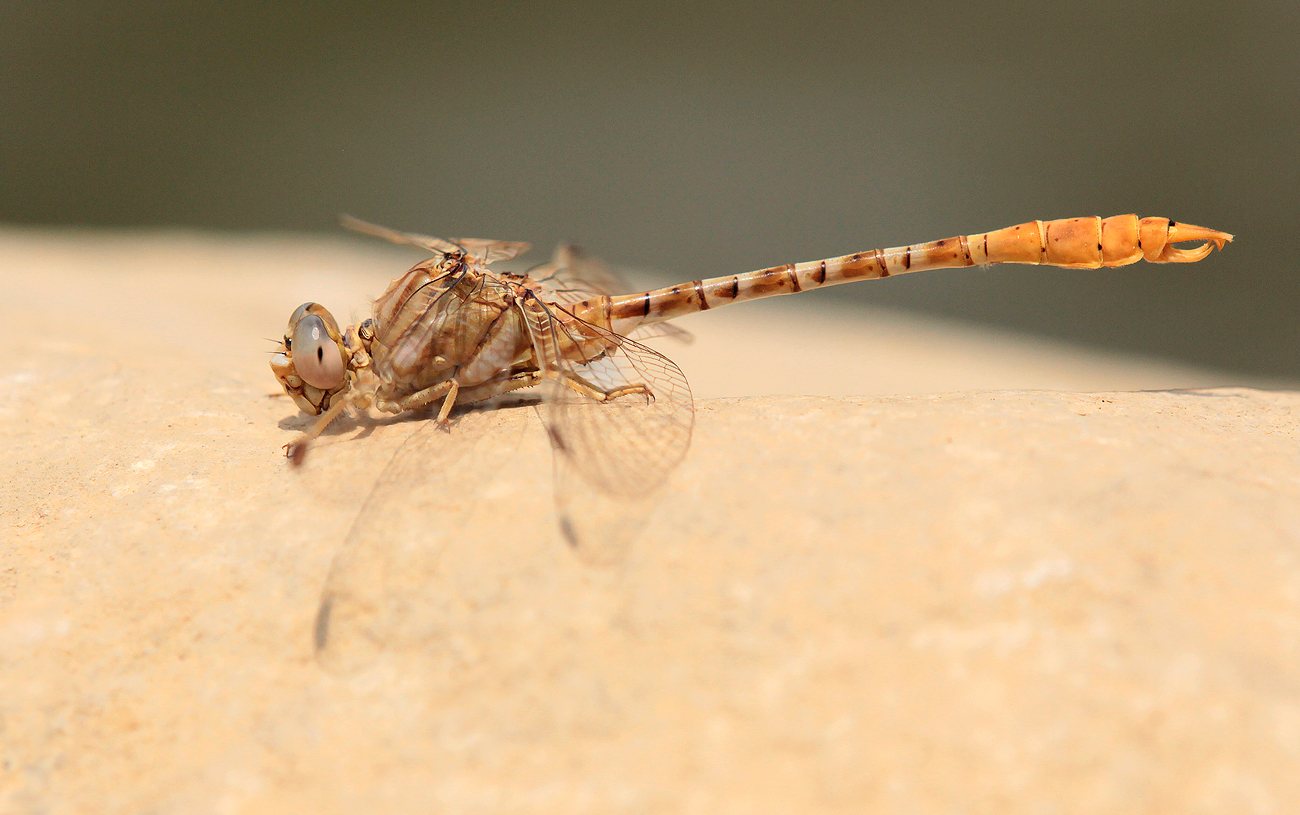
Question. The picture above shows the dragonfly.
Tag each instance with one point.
(454, 330)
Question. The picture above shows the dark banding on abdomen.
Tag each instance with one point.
(699, 291)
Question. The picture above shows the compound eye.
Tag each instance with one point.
(316, 356)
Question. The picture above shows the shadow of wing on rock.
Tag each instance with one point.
(384, 591)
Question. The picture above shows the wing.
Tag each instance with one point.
(420, 315)
(573, 276)
(492, 251)
(620, 419)
(484, 250)
(387, 590)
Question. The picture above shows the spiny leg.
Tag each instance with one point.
(500, 386)
(448, 387)
(582, 386)
(296, 450)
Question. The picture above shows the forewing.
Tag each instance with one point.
(491, 251)
(487, 251)
(441, 318)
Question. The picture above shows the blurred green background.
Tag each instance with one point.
(699, 138)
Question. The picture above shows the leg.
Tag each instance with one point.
(447, 387)
(498, 387)
(296, 450)
(582, 386)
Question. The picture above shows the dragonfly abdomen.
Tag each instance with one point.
(1077, 243)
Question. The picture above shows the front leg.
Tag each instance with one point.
(296, 450)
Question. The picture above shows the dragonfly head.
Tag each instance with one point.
(312, 365)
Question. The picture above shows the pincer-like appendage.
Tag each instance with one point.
(1090, 243)
(1158, 236)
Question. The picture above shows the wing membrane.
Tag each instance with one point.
(385, 590)
(625, 445)
(488, 251)
(573, 275)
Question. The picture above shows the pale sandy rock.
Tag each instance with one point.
(965, 601)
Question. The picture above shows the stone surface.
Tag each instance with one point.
(974, 595)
